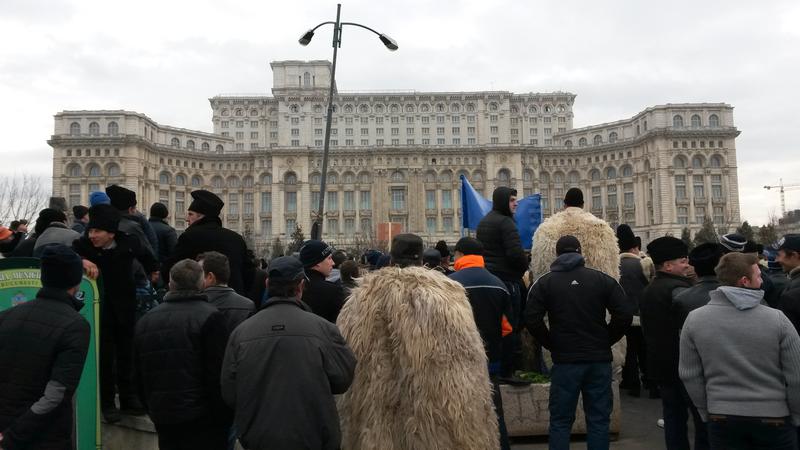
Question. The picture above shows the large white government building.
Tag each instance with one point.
(396, 156)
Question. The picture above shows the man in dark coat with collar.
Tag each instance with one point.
(206, 234)
(661, 329)
(704, 258)
(166, 235)
(282, 368)
(789, 259)
(131, 221)
(323, 297)
(179, 349)
(43, 346)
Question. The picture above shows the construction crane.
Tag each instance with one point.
(783, 187)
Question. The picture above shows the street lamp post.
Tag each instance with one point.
(316, 228)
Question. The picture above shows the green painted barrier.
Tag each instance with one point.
(19, 282)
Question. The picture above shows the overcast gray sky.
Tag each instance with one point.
(166, 58)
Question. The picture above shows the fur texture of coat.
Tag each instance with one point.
(598, 241)
(422, 380)
(598, 246)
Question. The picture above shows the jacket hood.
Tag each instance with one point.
(567, 262)
(741, 298)
(500, 199)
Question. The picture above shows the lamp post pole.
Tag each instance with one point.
(316, 227)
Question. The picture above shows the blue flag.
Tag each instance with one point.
(474, 207)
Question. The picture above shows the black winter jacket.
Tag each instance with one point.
(282, 368)
(206, 235)
(498, 232)
(25, 247)
(166, 236)
(117, 268)
(178, 347)
(696, 296)
(632, 278)
(575, 299)
(661, 327)
(790, 298)
(234, 307)
(490, 300)
(43, 346)
(323, 297)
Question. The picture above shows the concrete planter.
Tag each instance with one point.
(527, 414)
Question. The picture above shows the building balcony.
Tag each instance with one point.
(700, 200)
(679, 201)
(332, 214)
(349, 213)
(265, 214)
(431, 212)
(248, 216)
(447, 212)
(230, 216)
(365, 213)
(718, 200)
(398, 212)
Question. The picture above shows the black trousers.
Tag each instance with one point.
(634, 359)
(676, 408)
(116, 357)
(751, 433)
(195, 435)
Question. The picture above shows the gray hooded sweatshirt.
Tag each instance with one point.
(740, 357)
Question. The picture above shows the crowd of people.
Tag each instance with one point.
(398, 350)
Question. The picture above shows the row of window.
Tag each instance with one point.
(93, 170)
(190, 145)
(112, 129)
(700, 213)
(698, 162)
(695, 121)
(88, 152)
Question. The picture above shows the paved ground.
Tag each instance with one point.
(639, 430)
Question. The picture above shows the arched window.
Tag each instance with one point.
(94, 129)
(696, 123)
(197, 181)
(266, 179)
(217, 182)
(239, 113)
(677, 121)
(112, 170)
(233, 182)
(290, 178)
(430, 177)
(611, 173)
(247, 181)
(294, 109)
(647, 165)
(493, 106)
(364, 178)
(532, 110)
(379, 109)
(180, 180)
(333, 178)
(558, 177)
(470, 107)
(713, 120)
(446, 176)
(455, 107)
(477, 176)
(205, 147)
(225, 112)
(612, 137)
(573, 178)
(440, 107)
(74, 170)
(113, 128)
(568, 143)
(679, 162)
(253, 112)
(94, 170)
(348, 109)
(175, 142)
(190, 144)
(697, 162)
(398, 177)
(349, 178)
(544, 177)
(598, 139)
(627, 170)
(582, 142)
(307, 79)
(548, 108)
(315, 179)
(409, 108)
(504, 175)
(75, 129)
(527, 175)
(715, 161)
(164, 178)
(595, 175)
(561, 108)
(220, 149)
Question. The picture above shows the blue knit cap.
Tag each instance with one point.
(99, 198)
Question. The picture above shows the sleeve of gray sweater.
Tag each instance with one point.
(790, 363)
(690, 369)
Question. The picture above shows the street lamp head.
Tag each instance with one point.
(306, 38)
(390, 43)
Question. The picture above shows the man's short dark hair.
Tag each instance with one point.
(339, 256)
(733, 266)
(349, 270)
(14, 225)
(186, 275)
(216, 263)
(469, 246)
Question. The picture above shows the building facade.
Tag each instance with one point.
(398, 157)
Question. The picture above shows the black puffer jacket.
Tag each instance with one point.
(206, 235)
(323, 297)
(498, 232)
(42, 342)
(234, 307)
(179, 346)
(167, 237)
(790, 298)
(696, 296)
(660, 326)
(575, 299)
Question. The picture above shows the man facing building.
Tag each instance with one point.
(324, 297)
(740, 363)
(235, 308)
(575, 299)
(282, 368)
(789, 259)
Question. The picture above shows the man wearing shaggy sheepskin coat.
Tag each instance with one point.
(422, 380)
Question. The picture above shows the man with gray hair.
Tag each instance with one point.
(179, 347)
